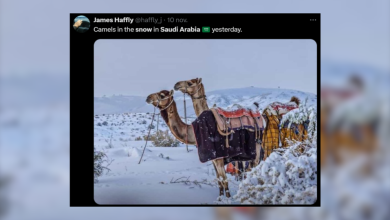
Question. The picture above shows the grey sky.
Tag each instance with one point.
(140, 67)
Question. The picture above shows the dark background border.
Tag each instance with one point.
(253, 26)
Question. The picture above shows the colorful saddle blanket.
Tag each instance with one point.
(238, 119)
(238, 113)
(278, 108)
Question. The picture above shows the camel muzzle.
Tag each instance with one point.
(177, 86)
(149, 100)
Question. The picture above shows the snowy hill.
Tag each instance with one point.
(121, 104)
(222, 98)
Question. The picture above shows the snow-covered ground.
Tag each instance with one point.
(152, 181)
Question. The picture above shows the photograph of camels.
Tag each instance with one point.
(81, 24)
(205, 122)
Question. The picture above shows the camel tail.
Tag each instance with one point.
(295, 99)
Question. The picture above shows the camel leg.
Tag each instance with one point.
(258, 149)
(243, 169)
(218, 178)
(250, 165)
(221, 171)
(237, 170)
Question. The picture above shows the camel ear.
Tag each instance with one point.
(199, 80)
(171, 93)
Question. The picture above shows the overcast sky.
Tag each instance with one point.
(141, 67)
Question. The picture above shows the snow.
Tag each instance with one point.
(300, 115)
(287, 176)
(244, 97)
(151, 182)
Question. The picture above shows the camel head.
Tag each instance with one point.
(296, 100)
(161, 100)
(77, 24)
(189, 86)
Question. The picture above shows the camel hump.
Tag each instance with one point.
(295, 99)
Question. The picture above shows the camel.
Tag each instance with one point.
(195, 89)
(164, 101)
(296, 132)
(347, 128)
(273, 114)
(77, 24)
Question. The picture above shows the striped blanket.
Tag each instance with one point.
(278, 108)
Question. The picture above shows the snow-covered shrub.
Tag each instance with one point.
(163, 139)
(300, 115)
(100, 164)
(287, 176)
(105, 123)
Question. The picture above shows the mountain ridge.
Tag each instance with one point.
(224, 98)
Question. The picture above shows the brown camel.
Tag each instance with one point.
(195, 89)
(77, 24)
(342, 134)
(295, 132)
(273, 114)
(164, 101)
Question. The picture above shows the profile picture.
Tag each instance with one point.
(81, 24)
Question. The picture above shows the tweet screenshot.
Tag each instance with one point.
(194, 109)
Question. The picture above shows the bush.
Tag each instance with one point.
(99, 124)
(105, 123)
(151, 126)
(163, 139)
(100, 158)
(143, 122)
(287, 176)
(146, 136)
(138, 139)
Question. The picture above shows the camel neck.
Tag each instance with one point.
(199, 101)
(182, 131)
